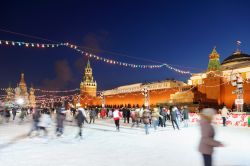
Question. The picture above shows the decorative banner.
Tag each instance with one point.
(232, 120)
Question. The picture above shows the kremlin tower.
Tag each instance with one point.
(88, 88)
(88, 85)
(214, 61)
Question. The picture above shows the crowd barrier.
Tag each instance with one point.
(232, 119)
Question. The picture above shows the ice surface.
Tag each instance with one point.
(102, 145)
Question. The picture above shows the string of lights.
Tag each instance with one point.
(57, 91)
(29, 44)
(89, 55)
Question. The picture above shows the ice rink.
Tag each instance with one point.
(102, 145)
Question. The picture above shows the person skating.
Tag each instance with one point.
(124, 114)
(207, 142)
(117, 115)
(103, 113)
(155, 117)
(60, 117)
(140, 114)
(127, 114)
(92, 115)
(22, 115)
(173, 116)
(14, 113)
(134, 118)
(35, 117)
(145, 120)
(224, 115)
(185, 116)
(7, 115)
(163, 113)
(44, 122)
(80, 119)
(178, 116)
(110, 113)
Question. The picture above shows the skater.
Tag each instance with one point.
(145, 120)
(110, 113)
(60, 116)
(185, 116)
(117, 115)
(73, 110)
(97, 112)
(224, 115)
(155, 117)
(127, 114)
(7, 115)
(124, 114)
(84, 115)
(35, 116)
(140, 114)
(134, 118)
(207, 142)
(163, 113)
(14, 113)
(44, 122)
(22, 115)
(178, 116)
(103, 113)
(173, 116)
(80, 119)
(92, 115)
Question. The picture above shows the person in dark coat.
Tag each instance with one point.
(162, 120)
(185, 116)
(127, 114)
(14, 113)
(73, 110)
(96, 112)
(7, 115)
(124, 114)
(92, 115)
(173, 116)
(79, 119)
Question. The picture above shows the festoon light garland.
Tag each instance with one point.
(89, 55)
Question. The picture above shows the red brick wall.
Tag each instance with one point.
(156, 96)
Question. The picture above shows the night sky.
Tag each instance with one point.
(181, 33)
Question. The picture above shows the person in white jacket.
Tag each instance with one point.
(224, 115)
(45, 122)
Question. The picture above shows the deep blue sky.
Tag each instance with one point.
(175, 32)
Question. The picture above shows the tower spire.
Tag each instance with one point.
(22, 78)
(88, 85)
(88, 64)
(214, 60)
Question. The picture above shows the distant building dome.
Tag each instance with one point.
(236, 58)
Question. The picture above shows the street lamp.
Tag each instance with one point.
(102, 99)
(237, 82)
(145, 92)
